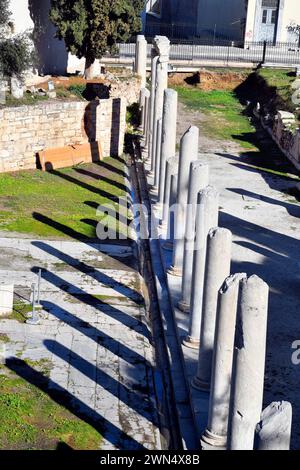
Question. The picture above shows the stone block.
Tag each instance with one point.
(6, 299)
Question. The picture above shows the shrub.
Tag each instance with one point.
(16, 55)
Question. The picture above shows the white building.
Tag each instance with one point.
(233, 20)
(272, 20)
(33, 15)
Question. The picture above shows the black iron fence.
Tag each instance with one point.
(285, 54)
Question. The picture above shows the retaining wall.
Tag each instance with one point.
(26, 130)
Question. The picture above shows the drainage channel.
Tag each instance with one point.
(177, 428)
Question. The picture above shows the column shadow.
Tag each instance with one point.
(99, 336)
(137, 400)
(61, 396)
(87, 299)
(292, 209)
(92, 242)
(101, 277)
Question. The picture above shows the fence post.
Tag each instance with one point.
(228, 54)
(264, 52)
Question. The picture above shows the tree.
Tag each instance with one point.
(16, 55)
(4, 16)
(294, 29)
(90, 28)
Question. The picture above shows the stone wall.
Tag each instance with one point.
(26, 130)
(284, 130)
(287, 135)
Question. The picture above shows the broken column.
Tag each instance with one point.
(171, 169)
(217, 269)
(162, 45)
(188, 152)
(273, 432)
(6, 299)
(206, 217)
(16, 87)
(141, 59)
(168, 138)
(198, 180)
(247, 383)
(215, 434)
(168, 245)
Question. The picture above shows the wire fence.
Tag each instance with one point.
(285, 54)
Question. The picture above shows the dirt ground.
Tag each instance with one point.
(190, 117)
(208, 80)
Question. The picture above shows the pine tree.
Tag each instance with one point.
(90, 28)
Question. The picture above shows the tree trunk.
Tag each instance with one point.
(89, 68)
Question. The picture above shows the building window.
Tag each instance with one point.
(265, 16)
(274, 17)
(270, 3)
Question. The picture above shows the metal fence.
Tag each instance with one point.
(284, 54)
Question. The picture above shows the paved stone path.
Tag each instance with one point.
(258, 206)
(93, 333)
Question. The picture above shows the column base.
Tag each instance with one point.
(210, 440)
(183, 306)
(174, 271)
(162, 224)
(168, 246)
(200, 385)
(33, 321)
(153, 190)
(191, 342)
(158, 207)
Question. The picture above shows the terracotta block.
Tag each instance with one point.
(63, 157)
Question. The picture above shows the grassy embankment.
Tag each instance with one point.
(62, 203)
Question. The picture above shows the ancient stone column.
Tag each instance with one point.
(6, 299)
(171, 169)
(141, 59)
(16, 87)
(216, 432)
(198, 180)
(146, 114)
(206, 217)
(154, 60)
(247, 384)
(158, 151)
(188, 152)
(168, 139)
(168, 245)
(162, 45)
(217, 269)
(142, 106)
(274, 430)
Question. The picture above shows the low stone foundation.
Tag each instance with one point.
(287, 135)
(27, 130)
(285, 132)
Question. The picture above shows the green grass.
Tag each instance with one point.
(282, 79)
(62, 203)
(31, 420)
(27, 100)
(225, 118)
